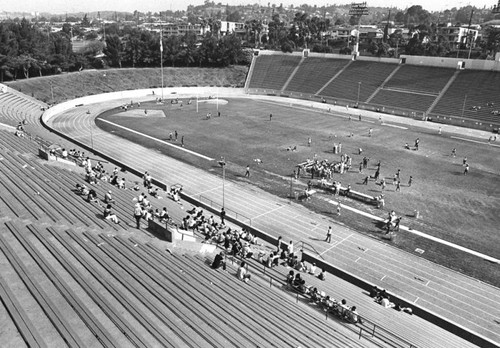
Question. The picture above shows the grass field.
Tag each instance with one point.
(461, 209)
(89, 82)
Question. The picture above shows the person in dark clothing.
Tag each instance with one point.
(219, 261)
(222, 215)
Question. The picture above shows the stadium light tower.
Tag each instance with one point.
(358, 10)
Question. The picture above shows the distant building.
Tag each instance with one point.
(461, 35)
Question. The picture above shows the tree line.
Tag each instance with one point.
(27, 50)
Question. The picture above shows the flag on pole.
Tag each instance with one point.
(161, 43)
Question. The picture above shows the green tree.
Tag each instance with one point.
(113, 50)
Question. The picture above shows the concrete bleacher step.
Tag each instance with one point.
(201, 268)
(202, 277)
(50, 314)
(205, 324)
(126, 304)
(399, 324)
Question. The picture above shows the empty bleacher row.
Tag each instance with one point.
(370, 74)
(473, 94)
(314, 73)
(402, 99)
(271, 72)
(421, 79)
(16, 107)
(469, 96)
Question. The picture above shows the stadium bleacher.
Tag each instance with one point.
(402, 99)
(470, 95)
(16, 107)
(370, 74)
(139, 309)
(414, 88)
(272, 71)
(423, 79)
(314, 73)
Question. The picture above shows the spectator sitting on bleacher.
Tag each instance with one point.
(140, 198)
(235, 250)
(148, 213)
(374, 292)
(342, 309)
(164, 215)
(146, 204)
(312, 269)
(121, 183)
(79, 189)
(297, 280)
(315, 296)
(20, 130)
(303, 288)
(328, 303)
(92, 196)
(84, 190)
(273, 259)
(292, 261)
(64, 153)
(109, 215)
(301, 266)
(247, 251)
(380, 295)
(104, 176)
(219, 261)
(385, 301)
(242, 272)
(352, 315)
(152, 191)
(322, 275)
(290, 277)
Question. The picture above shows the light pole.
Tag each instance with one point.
(359, 89)
(463, 106)
(222, 163)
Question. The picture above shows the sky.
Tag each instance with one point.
(70, 6)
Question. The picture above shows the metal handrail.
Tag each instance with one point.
(311, 246)
(213, 204)
(361, 324)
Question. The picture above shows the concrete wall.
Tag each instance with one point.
(473, 64)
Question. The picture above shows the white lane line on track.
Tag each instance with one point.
(383, 278)
(393, 125)
(209, 190)
(160, 141)
(267, 212)
(338, 243)
(358, 259)
(421, 234)
(474, 141)
(416, 300)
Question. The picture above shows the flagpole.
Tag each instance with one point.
(161, 57)
(197, 103)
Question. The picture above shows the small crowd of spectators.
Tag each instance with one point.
(381, 297)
